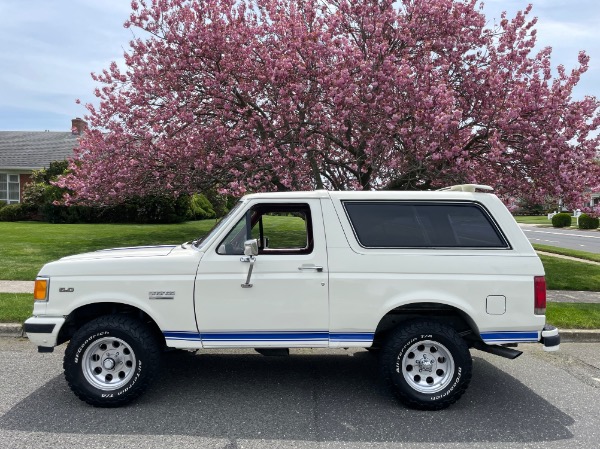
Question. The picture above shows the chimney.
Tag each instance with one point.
(78, 126)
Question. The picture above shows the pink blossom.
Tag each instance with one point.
(252, 95)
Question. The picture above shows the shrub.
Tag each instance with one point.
(588, 222)
(2, 204)
(40, 191)
(150, 209)
(159, 209)
(561, 220)
(72, 214)
(15, 212)
(200, 208)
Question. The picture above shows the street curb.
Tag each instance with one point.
(11, 330)
(15, 330)
(579, 335)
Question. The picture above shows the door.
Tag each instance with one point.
(285, 301)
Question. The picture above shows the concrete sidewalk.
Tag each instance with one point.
(572, 296)
(16, 287)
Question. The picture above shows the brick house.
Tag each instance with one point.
(21, 152)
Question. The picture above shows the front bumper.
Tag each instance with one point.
(43, 331)
(550, 338)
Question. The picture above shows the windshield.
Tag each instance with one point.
(217, 227)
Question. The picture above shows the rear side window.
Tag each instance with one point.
(389, 224)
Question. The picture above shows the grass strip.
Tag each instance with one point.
(539, 220)
(567, 315)
(563, 274)
(26, 246)
(15, 307)
(568, 252)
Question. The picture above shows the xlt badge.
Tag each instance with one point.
(161, 295)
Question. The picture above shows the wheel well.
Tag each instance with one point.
(452, 316)
(89, 312)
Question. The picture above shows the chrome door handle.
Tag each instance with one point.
(310, 267)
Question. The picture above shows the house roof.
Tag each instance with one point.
(32, 150)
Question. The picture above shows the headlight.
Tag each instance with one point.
(40, 290)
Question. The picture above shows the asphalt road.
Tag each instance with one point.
(312, 399)
(564, 238)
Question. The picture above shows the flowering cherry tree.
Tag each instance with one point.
(339, 94)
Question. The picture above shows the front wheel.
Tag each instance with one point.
(111, 360)
(427, 364)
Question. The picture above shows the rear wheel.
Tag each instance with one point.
(427, 364)
(111, 360)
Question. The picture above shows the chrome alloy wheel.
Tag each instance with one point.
(108, 364)
(428, 366)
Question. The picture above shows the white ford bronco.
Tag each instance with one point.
(419, 277)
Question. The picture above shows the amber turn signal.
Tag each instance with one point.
(40, 290)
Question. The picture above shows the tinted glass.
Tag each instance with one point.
(422, 225)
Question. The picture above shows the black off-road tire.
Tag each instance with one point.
(427, 364)
(112, 360)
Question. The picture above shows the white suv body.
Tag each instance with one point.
(356, 269)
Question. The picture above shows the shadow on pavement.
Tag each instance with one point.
(309, 397)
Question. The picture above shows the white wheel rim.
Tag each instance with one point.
(428, 366)
(108, 363)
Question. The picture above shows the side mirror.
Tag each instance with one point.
(250, 251)
(251, 247)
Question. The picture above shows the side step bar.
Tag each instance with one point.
(502, 351)
(273, 352)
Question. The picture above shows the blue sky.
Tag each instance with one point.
(49, 47)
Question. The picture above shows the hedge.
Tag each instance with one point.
(16, 212)
(588, 222)
(561, 220)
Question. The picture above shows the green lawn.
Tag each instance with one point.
(533, 219)
(539, 220)
(26, 246)
(562, 274)
(15, 307)
(568, 315)
(568, 252)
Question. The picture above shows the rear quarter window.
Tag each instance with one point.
(402, 224)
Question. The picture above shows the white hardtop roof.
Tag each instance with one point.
(369, 195)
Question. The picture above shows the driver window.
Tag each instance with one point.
(279, 229)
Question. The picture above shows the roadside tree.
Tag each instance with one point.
(339, 94)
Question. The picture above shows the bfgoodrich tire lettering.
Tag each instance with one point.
(427, 364)
(111, 360)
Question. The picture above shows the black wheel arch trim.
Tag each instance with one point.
(36, 328)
